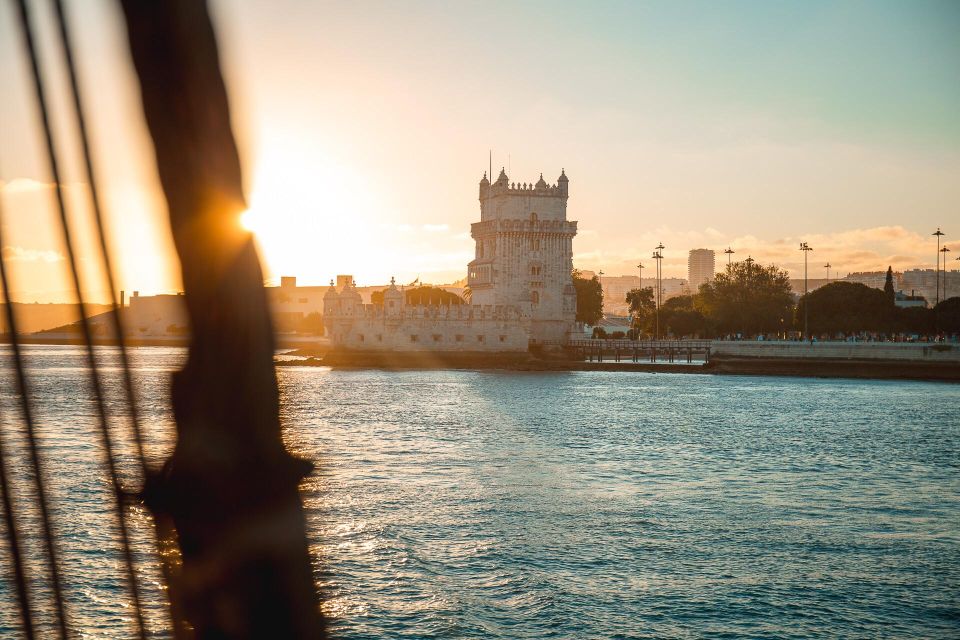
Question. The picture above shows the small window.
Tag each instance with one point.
(534, 270)
(360, 337)
(379, 338)
(535, 297)
(437, 337)
(479, 338)
(414, 338)
(533, 217)
(459, 338)
(503, 338)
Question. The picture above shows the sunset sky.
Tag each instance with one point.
(365, 128)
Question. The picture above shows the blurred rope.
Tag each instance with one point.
(38, 474)
(105, 437)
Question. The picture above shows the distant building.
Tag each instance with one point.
(162, 315)
(701, 267)
(796, 285)
(923, 282)
(875, 279)
(903, 300)
(616, 288)
(915, 283)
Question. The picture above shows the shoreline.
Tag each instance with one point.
(871, 369)
(807, 367)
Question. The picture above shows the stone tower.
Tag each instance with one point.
(524, 254)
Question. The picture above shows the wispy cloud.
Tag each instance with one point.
(19, 254)
(24, 185)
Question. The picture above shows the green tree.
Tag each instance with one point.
(642, 307)
(424, 294)
(589, 298)
(748, 299)
(947, 315)
(888, 287)
(847, 307)
(679, 317)
(915, 320)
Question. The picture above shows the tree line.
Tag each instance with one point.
(750, 300)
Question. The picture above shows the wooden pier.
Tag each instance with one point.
(640, 350)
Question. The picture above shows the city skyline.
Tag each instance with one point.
(844, 134)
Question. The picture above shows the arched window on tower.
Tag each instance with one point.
(533, 217)
(535, 297)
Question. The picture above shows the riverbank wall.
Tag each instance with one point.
(887, 360)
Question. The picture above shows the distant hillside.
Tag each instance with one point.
(32, 317)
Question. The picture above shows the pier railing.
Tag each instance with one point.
(622, 350)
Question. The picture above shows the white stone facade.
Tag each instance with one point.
(396, 326)
(524, 254)
(520, 282)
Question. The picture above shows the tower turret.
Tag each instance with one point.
(392, 299)
(563, 183)
(331, 301)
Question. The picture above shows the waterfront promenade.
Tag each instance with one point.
(919, 360)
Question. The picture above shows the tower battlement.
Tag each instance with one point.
(505, 199)
(503, 187)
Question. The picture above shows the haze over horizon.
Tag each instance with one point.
(365, 129)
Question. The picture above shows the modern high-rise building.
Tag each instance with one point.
(701, 267)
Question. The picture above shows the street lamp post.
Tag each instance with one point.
(640, 267)
(806, 304)
(944, 251)
(658, 257)
(729, 253)
(827, 267)
(938, 233)
(945, 275)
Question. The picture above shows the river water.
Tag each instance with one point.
(461, 504)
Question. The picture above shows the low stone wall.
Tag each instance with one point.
(885, 351)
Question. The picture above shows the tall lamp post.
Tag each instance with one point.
(729, 253)
(658, 257)
(938, 233)
(640, 267)
(827, 267)
(945, 275)
(944, 251)
(806, 305)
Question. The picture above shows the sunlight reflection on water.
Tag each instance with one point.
(526, 505)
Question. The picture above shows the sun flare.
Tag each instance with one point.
(314, 219)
